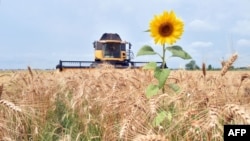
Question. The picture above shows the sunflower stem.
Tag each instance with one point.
(163, 56)
(163, 62)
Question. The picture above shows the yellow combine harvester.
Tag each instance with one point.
(109, 49)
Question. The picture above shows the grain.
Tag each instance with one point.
(228, 64)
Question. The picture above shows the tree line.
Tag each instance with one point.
(193, 66)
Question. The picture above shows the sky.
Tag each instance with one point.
(39, 33)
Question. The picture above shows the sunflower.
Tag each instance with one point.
(166, 28)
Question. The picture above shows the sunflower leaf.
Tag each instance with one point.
(161, 75)
(150, 66)
(151, 90)
(146, 50)
(177, 51)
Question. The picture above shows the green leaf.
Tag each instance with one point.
(151, 90)
(150, 66)
(161, 75)
(177, 51)
(174, 87)
(159, 118)
(146, 50)
(148, 30)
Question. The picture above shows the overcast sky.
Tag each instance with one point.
(38, 33)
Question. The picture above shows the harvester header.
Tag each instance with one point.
(109, 49)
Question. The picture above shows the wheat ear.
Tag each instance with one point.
(126, 125)
(152, 106)
(204, 69)
(10, 105)
(1, 90)
(233, 111)
(243, 77)
(30, 71)
(228, 64)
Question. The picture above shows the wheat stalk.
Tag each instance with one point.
(6, 138)
(150, 138)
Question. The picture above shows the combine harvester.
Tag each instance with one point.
(109, 49)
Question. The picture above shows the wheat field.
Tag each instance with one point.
(110, 105)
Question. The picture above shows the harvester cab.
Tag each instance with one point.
(109, 49)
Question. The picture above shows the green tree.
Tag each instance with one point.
(192, 65)
(209, 67)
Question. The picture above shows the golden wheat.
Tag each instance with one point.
(1, 90)
(203, 69)
(228, 64)
(150, 138)
(125, 127)
(10, 105)
(30, 71)
(233, 111)
(115, 101)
